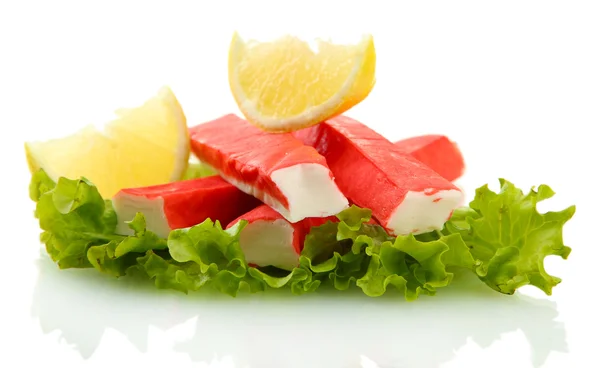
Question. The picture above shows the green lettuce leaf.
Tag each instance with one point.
(412, 266)
(217, 256)
(215, 251)
(117, 256)
(73, 217)
(169, 274)
(299, 280)
(79, 227)
(500, 237)
(79, 232)
(197, 170)
(330, 260)
(511, 239)
(39, 184)
(353, 252)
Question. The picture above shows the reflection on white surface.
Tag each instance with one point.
(272, 329)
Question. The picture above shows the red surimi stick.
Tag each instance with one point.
(292, 178)
(405, 195)
(436, 151)
(268, 239)
(181, 204)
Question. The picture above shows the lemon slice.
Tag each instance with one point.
(285, 85)
(145, 145)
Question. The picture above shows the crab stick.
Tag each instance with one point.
(181, 204)
(268, 239)
(405, 195)
(436, 151)
(278, 169)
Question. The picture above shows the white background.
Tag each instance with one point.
(515, 83)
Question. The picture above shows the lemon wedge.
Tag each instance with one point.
(286, 84)
(142, 146)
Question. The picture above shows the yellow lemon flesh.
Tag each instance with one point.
(286, 85)
(143, 146)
